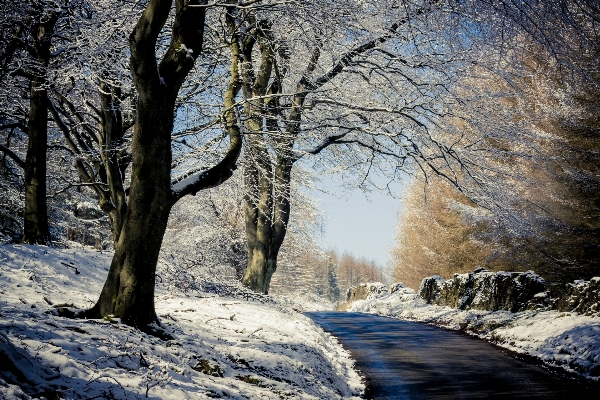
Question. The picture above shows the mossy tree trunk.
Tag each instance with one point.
(128, 292)
(267, 221)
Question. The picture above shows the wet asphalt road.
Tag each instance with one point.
(409, 360)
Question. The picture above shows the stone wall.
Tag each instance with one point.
(511, 291)
(580, 296)
(483, 290)
(492, 291)
(364, 290)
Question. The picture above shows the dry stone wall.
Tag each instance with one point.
(364, 290)
(580, 296)
(492, 291)
(511, 291)
(483, 290)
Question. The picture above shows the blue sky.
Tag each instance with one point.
(363, 224)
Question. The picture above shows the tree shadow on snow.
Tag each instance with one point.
(35, 379)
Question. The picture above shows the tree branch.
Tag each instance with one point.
(224, 169)
(348, 57)
(186, 43)
(12, 156)
(142, 43)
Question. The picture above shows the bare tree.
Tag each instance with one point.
(129, 289)
(27, 53)
(301, 89)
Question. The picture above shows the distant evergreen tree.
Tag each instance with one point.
(333, 289)
(318, 283)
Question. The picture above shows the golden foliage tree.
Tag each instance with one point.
(539, 185)
(433, 238)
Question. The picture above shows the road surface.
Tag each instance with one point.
(410, 360)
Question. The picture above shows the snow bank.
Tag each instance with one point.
(225, 346)
(567, 340)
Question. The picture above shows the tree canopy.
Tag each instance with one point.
(111, 112)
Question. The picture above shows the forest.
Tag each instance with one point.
(188, 135)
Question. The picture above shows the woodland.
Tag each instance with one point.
(187, 133)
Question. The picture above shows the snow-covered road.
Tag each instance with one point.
(411, 360)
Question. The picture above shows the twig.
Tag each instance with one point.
(71, 266)
(230, 318)
(259, 329)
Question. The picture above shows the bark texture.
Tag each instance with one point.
(36, 230)
(128, 292)
(266, 222)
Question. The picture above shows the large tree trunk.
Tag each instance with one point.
(128, 292)
(281, 210)
(36, 212)
(266, 222)
(258, 203)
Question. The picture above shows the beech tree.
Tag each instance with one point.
(128, 292)
(26, 53)
(300, 83)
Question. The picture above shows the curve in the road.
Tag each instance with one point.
(410, 360)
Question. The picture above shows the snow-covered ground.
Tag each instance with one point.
(566, 340)
(224, 346)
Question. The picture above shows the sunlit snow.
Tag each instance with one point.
(224, 346)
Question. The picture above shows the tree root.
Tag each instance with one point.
(154, 328)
